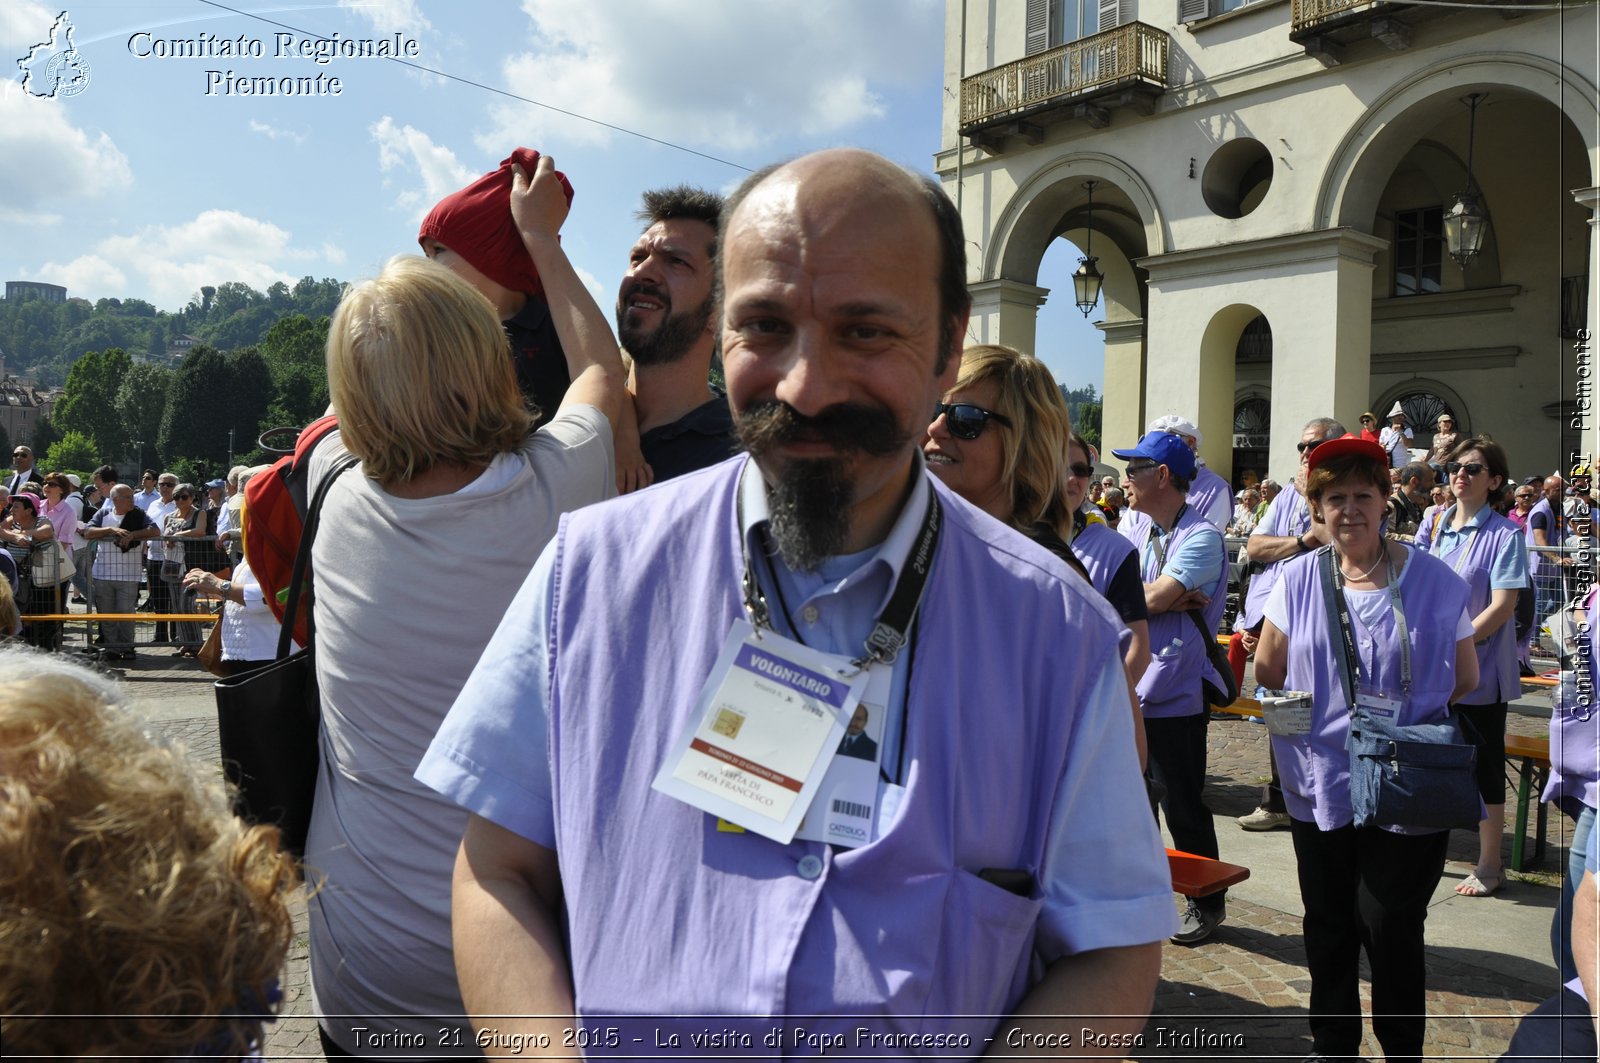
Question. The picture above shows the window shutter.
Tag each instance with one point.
(1193, 10)
(1111, 14)
(1037, 28)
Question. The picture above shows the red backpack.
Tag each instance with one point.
(274, 514)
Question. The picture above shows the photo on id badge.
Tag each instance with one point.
(849, 808)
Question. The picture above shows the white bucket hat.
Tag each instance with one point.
(1396, 411)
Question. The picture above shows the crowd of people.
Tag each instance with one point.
(872, 701)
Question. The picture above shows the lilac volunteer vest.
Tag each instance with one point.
(668, 915)
(1315, 768)
(1102, 552)
(1204, 494)
(1178, 659)
(1575, 725)
(1289, 514)
(1498, 676)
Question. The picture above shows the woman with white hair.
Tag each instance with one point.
(423, 544)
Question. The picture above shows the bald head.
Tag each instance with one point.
(844, 186)
(1553, 486)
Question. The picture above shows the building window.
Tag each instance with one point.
(1052, 23)
(1418, 250)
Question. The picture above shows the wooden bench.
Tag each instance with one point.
(1198, 876)
(1530, 755)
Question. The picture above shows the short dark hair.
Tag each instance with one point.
(148, 473)
(954, 300)
(1421, 470)
(682, 201)
(107, 474)
(1494, 458)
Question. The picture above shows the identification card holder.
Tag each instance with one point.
(1379, 706)
(845, 811)
(763, 732)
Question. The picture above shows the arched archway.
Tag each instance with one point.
(1369, 152)
(1127, 225)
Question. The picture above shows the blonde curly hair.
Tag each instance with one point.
(128, 888)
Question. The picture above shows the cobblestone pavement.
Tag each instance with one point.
(1242, 994)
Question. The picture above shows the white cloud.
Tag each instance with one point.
(390, 16)
(167, 264)
(86, 273)
(23, 24)
(406, 148)
(46, 161)
(272, 132)
(727, 76)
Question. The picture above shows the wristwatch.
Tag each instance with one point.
(1300, 540)
(227, 585)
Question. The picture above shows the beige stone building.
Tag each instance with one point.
(1272, 184)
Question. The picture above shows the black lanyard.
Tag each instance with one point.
(1152, 539)
(893, 626)
(1339, 612)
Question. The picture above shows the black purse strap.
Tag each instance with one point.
(302, 562)
(1219, 660)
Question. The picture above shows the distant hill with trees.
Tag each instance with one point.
(134, 395)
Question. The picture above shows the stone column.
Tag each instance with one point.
(1005, 311)
(1315, 290)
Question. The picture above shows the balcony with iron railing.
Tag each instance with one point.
(1327, 27)
(1123, 66)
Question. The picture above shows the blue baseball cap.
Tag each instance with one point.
(1164, 448)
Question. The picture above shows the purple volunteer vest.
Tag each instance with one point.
(1289, 514)
(1315, 768)
(1178, 656)
(1575, 725)
(1498, 676)
(1102, 552)
(667, 915)
(1204, 491)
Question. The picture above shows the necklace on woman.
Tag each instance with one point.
(1383, 555)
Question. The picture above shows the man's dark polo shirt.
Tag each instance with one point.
(701, 437)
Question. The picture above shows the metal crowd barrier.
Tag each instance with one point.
(207, 611)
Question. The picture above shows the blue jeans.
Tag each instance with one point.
(1561, 924)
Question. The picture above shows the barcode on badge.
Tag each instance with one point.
(850, 808)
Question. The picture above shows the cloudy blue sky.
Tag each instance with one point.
(146, 184)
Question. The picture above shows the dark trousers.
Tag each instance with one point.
(1177, 747)
(1367, 889)
(160, 596)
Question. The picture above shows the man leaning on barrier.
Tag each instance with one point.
(592, 877)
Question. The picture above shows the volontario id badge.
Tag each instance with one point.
(765, 728)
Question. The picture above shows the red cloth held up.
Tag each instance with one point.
(475, 222)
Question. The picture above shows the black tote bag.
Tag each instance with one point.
(268, 719)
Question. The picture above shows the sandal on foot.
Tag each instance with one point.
(1475, 885)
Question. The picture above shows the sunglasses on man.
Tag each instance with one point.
(966, 421)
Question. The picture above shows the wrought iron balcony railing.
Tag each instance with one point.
(1129, 54)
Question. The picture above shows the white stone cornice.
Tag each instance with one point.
(1252, 256)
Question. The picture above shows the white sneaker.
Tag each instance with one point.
(1261, 819)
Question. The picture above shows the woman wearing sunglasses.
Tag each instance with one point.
(186, 521)
(1000, 440)
(1491, 554)
(25, 530)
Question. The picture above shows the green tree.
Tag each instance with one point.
(250, 393)
(73, 452)
(88, 405)
(44, 434)
(1086, 422)
(293, 349)
(141, 406)
(196, 421)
